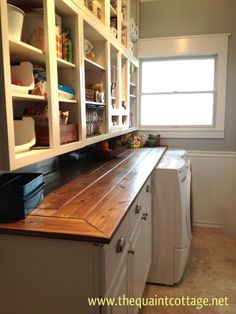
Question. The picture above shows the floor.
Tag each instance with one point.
(210, 272)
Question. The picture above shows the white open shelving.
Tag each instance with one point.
(85, 70)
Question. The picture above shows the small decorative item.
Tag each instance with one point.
(113, 22)
(133, 30)
(97, 9)
(67, 46)
(132, 140)
(153, 141)
(64, 117)
(40, 80)
(88, 50)
(123, 36)
(89, 4)
(98, 92)
(58, 43)
(137, 142)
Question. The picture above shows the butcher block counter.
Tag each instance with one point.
(92, 206)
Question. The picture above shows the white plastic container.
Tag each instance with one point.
(22, 73)
(24, 134)
(15, 21)
(33, 30)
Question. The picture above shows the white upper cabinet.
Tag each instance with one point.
(65, 77)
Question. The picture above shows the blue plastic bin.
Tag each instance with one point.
(20, 193)
(21, 184)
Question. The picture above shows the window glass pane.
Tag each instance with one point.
(178, 75)
(177, 109)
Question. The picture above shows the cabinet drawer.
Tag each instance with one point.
(139, 204)
(114, 252)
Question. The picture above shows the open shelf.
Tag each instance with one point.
(95, 103)
(21, 51)
(28, 97)
(92, 66)
(65, 64)
(97, 79)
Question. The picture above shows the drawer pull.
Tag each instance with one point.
(138, 209)
(148, 188)
(120, 245)
(145, 215)
(131, 252)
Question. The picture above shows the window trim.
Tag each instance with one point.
(190, 46)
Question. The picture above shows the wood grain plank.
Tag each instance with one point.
(109, 213)
(88, 199)
(61, 196)
(73, 229)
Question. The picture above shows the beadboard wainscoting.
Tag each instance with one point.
(213, 187)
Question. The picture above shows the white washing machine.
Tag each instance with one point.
(176, 152)
(171, 219)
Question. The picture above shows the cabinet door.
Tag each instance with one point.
(147, 230)
(141, 253)
(137, 269)
(118, 289)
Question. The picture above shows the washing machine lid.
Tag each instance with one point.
(171, 162)
(176, 152)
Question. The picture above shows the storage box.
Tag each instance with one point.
(33, 30)
(68, 133)
(20, 193)
(22, 184)
(24, 134)
(22, 74)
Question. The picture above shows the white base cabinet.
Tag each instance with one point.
(55, 276)
(119, 289)
(141, 254)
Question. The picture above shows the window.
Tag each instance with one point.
(182, 85)
(177, 92)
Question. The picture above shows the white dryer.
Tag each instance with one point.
(171, 220)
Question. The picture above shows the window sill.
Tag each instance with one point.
(184, 133)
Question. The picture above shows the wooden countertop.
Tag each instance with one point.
(92, 206)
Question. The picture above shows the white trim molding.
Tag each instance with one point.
(192, 46)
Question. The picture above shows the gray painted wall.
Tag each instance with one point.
(162, 18)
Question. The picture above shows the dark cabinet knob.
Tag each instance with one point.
(131, 252)
(138, 209)
(120, 245)
(144, 216)
(148, 188)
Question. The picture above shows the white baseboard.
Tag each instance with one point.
(207, 224)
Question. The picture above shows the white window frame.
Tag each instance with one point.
(191, 46)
